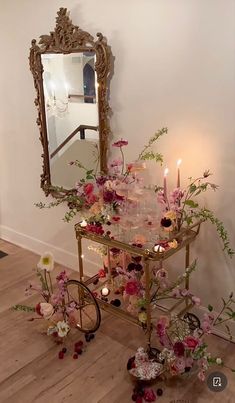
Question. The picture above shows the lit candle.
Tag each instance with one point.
(105, 291)
(158, 248)
(165, 187)
(178, 173)
(83, 223)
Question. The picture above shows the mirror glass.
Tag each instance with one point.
(71, 107)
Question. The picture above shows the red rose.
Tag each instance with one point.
(132, 287)
(38, 309)
(88, 188)
(149, 395)
(102, 273)
(191, 342)
(91, 198)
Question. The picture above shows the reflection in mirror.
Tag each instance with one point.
(70, 84)
(71, 72)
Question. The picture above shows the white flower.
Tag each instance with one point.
(46, 310)
(46, 262)
(51, 330)
(218, 361)
(62, 328)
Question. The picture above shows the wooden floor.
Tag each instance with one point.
(29, 368)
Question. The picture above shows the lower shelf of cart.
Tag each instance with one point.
(96, 285)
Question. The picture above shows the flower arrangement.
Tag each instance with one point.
(96, 197)
(145, 370)
(181, 207)
(56, 308)
(184, 348)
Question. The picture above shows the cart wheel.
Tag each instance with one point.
(192, 320)
(87, 311)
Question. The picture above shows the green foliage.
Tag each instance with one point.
(151, 155)
(43, 281)
(208, 215)
(191, 208)
(147, 153)
(24, 308)
(226, 314)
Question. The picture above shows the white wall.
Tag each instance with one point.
(174, 66)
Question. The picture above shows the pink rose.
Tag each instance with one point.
(91, 198)
(132, 287)
(180, 364)
(196, 300)
(201, 376)
(191, 342)
(88, 188)
(46, 310)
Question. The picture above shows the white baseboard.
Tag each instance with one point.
(61, 256)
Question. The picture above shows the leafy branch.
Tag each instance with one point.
(147, 153)
(207, 214)
(226, 314)
(24, 308)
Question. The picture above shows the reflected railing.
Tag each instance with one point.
(81, 129)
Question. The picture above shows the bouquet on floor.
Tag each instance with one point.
(53, 306)
(184, 347)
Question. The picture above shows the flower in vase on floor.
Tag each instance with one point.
(56, 309)
(185, 349)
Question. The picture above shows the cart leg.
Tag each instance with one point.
(187, 257)
(148, 300)
(80, 260)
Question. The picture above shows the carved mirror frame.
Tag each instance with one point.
(68, 38)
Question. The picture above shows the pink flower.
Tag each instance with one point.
(102, 273)
(176, 196)
(132, 287)
(196, 300)
(88, 188)
(184, 292)
(201, 376)
(149, 395)
(120, 143)
(116, 163)
(180, 364)
(207, 323)
(191, 342)
(162, 325)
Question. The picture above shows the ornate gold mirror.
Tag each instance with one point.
(71, 72)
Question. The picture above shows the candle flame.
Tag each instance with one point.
(179, 162)
(166, 172)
